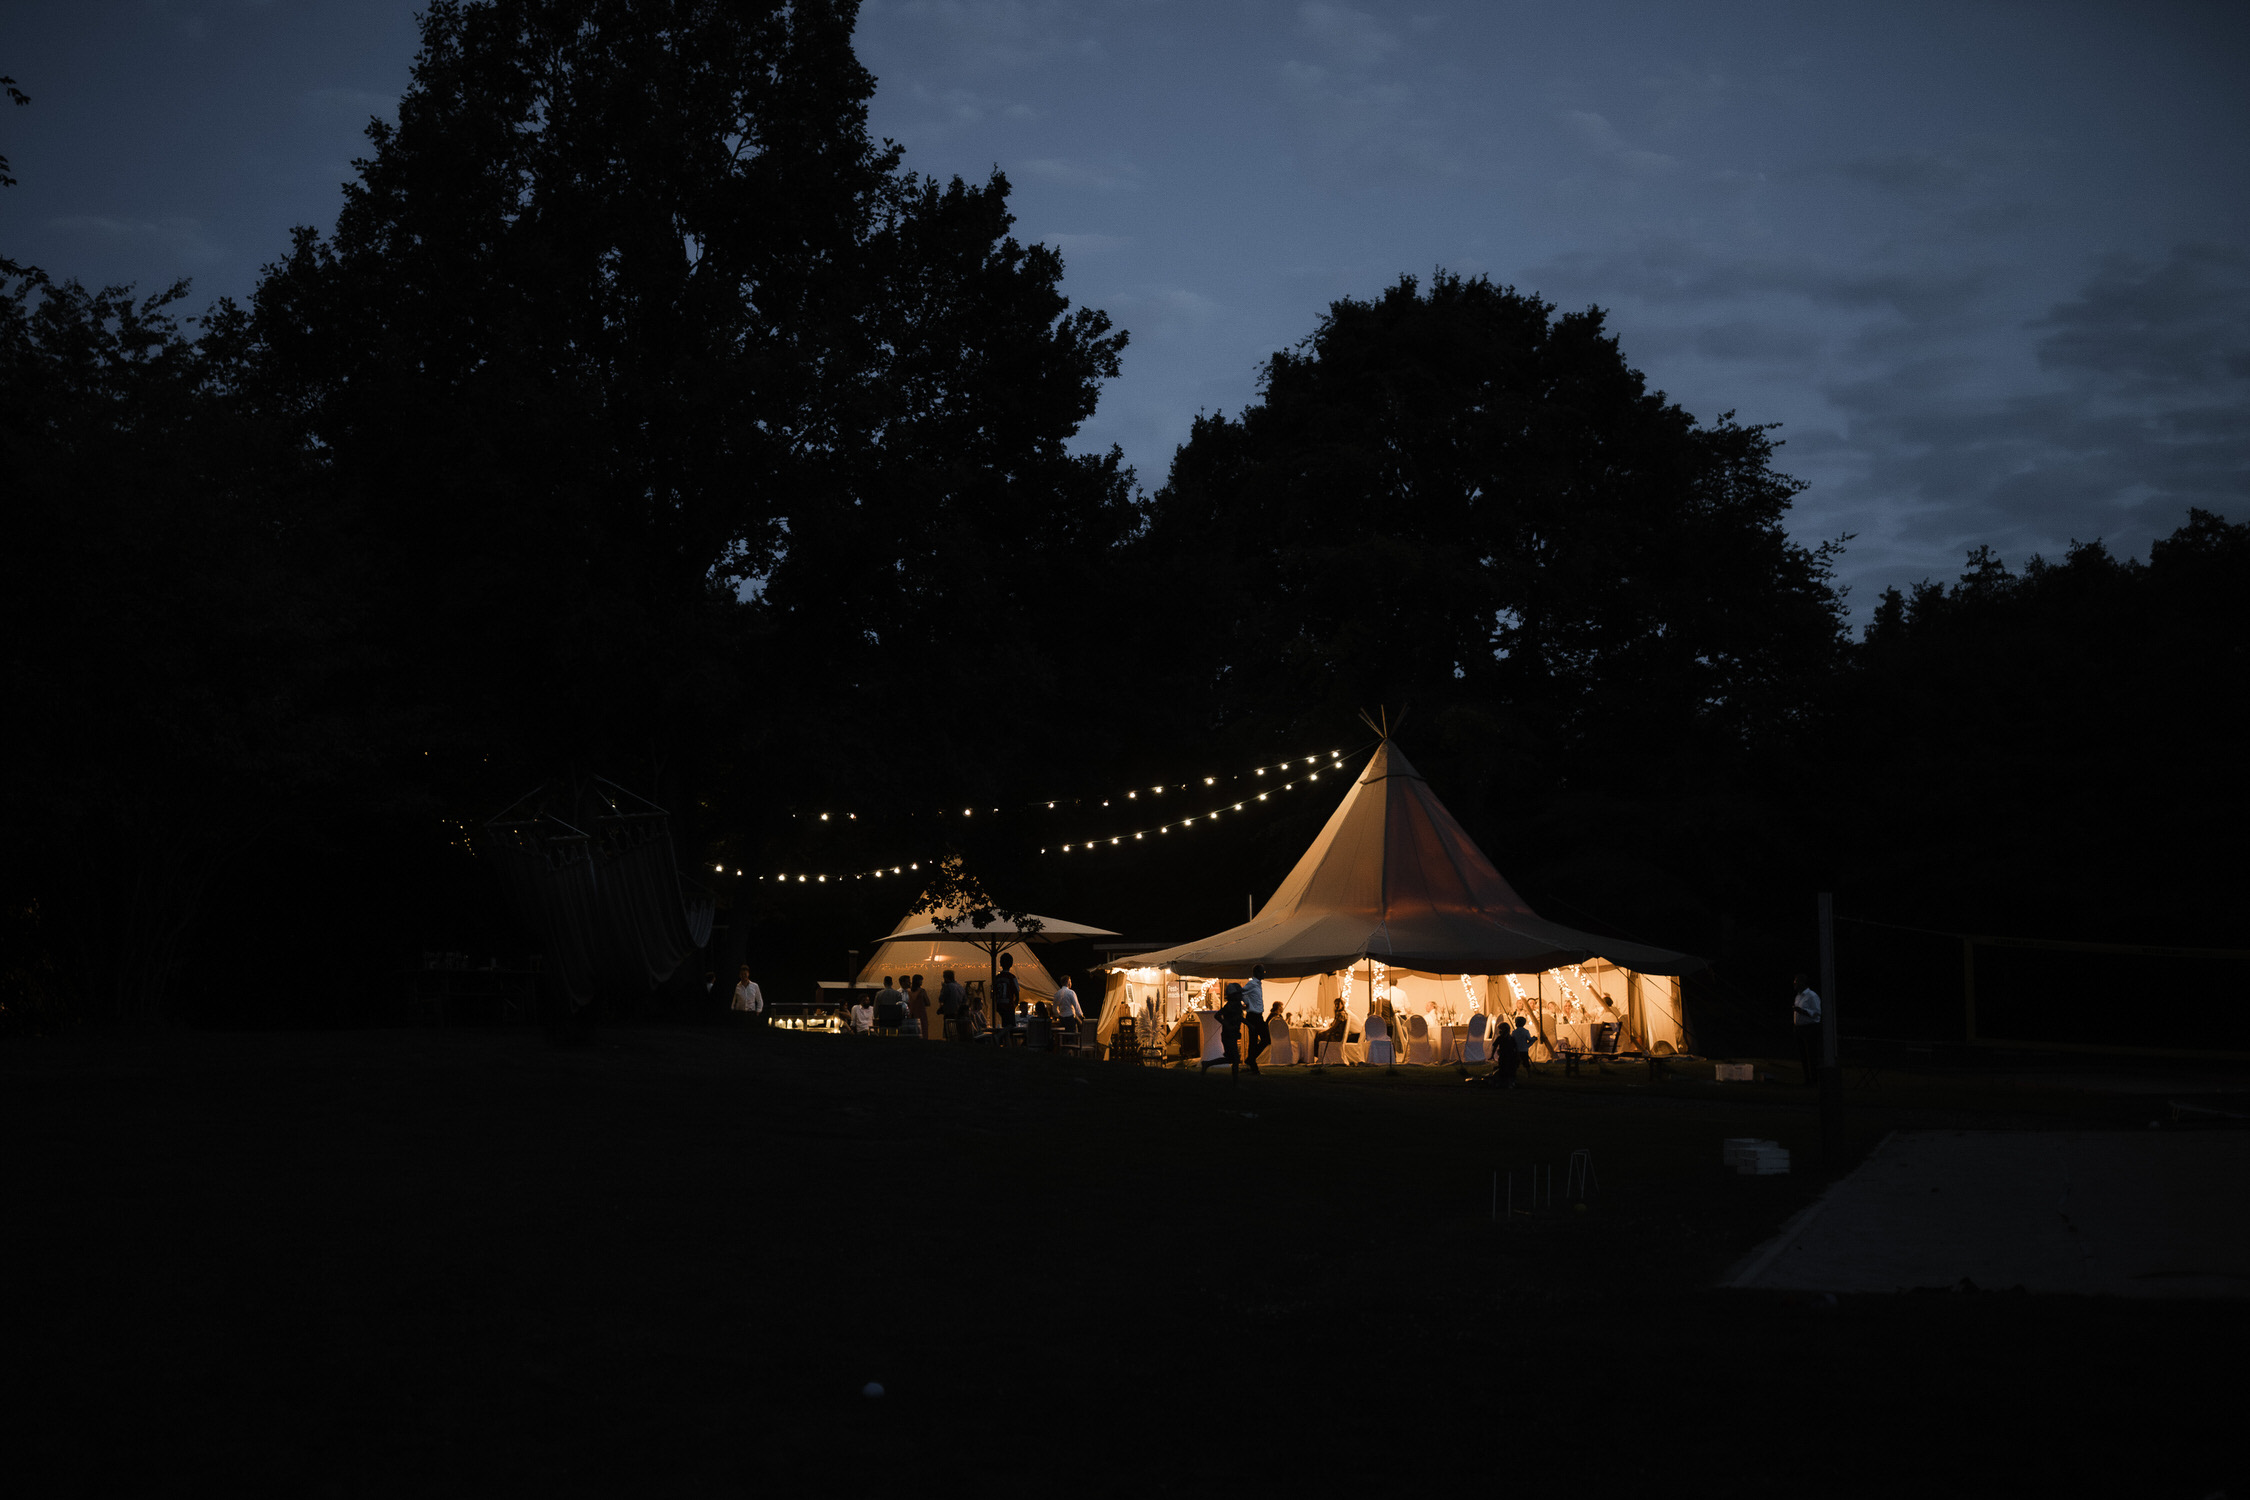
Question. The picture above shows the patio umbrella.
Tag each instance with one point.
(997, 934)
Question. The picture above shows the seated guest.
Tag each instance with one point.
(1338, 1030)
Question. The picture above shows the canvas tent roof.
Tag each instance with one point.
(1392, 876)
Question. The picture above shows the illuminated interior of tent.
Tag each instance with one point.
(1394, 912)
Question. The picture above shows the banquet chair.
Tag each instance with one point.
(1473, 1049)
(1214, 1040)
(1378, 1042)
(1283, 1052)
(1418, 1041)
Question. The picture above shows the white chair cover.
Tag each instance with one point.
(1472, 1046)
(1418, 1041)
(1283, 1052)
(1214, 1046)
(1378, 1042)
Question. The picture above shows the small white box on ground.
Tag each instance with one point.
(1737, 1073)
(1763, 1160)
(1734, 1148)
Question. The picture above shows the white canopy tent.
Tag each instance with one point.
(1393, 902)
(917, 946)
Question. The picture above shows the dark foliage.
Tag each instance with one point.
(641, 415)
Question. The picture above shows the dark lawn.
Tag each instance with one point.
(411, 1263)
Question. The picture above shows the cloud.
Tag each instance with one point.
(960, 106)
(1354, 38)
(1932, 410)
(2150, 329)
(1073, 244)
(2141, 414)
(1358, 122)
(1905, 171)
(352, 104)
(1112, 177)
(1598, 136)
(180, 238)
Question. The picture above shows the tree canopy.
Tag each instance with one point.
(1454, 498)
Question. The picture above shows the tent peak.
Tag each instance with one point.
(1382, 725)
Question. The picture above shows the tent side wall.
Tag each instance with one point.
(1644, 1007)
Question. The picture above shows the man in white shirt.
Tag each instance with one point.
(749, 1000)
(1256, 1037)
(1805, 1015)
(1066, 1002)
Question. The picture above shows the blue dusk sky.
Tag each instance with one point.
(1988, 265)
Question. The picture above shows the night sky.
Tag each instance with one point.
(1989, 265)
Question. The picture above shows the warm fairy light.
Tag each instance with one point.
(722, 869)
(1210, 781)
(1261, 770)
(824, 817)
(1261, 796)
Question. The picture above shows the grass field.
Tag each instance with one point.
(667, 1261)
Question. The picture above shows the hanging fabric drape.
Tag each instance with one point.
(590, 869)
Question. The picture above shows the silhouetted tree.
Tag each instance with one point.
(2052, 750)
(1456, 499)
(176, 647)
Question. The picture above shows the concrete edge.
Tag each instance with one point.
(1752, 1266)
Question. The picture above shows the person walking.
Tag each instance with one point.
(1230, 1030)
(1805, 1017)
(1007, 994)
(953, 1004)
(749, 1000)
(1070, 1018)
(1520, 1041)
(1256, 1036)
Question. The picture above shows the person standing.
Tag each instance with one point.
(1338, 1031)
(953, 1004)
(918, 1006)
(1007, 994)
(1805, 1016)
(1230, 1030)
(1520, 1041)
(1256, 1036)
(1066, 1003)
(890, 1005)
(749, 1000)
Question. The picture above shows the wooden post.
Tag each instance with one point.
(1831, 1075)
(1969, 987)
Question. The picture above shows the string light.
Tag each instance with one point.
(1136, 834)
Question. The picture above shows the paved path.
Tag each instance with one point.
(2114, 1213)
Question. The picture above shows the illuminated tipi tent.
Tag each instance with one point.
(1394, 894)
